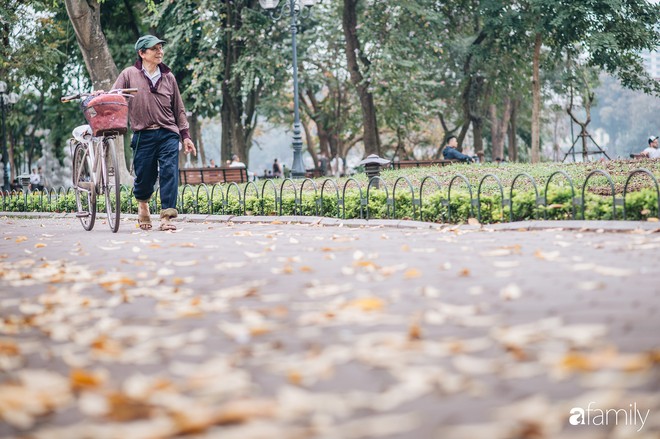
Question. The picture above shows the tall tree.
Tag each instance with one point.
(85, 16)
(357, 62)
(607, 34)
(536, 100)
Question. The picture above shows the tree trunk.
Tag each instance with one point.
(353, 53)
(478, 133)
(536, 101)
(239, 102)
(196, 135)
(225, 139)
(472, 97)
(311, 107)
(498, 128)
(461, 135)
(513, 137)
(85, 16)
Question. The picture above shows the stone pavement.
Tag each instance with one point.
(262, 328)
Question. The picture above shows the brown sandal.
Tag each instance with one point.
(144, 222)
(166, 225)
(166, 216)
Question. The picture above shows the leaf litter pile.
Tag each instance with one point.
(303, 331)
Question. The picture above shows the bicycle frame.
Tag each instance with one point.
(94, 148)
(95, 166)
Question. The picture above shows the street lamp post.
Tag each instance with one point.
(296, 8)
(6, 101)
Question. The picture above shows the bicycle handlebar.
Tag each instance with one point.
(122, 91)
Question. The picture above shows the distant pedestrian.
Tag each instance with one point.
(35, 181)
(451, 153)
(323, 163)
(277, 169)
(337, 166)
(42, 178)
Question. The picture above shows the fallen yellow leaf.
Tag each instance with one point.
(21, 239)
(294, 377)
(121, 281)
(367, 304)
(9, 348)
(237, 412)
(517, 352)
(124, 408)
(364, 264)
(412, 273)
(575, 361)
(82, 379)
(178, 281)
(39, 245)
(415, 332)
(106, 346)
(259, 330)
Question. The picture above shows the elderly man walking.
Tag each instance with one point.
(159, 124)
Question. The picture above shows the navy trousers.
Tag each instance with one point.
(154, 152)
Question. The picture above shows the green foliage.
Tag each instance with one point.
(381, 203)
(419, 58)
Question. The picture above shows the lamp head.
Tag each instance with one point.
(268, 4)
(309, 3)
(13, 98)
(3, 86)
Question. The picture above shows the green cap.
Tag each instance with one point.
(147, 42)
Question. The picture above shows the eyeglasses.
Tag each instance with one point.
(157, 49)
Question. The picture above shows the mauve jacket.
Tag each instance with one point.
(160, 105)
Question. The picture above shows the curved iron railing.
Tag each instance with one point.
(193, 199)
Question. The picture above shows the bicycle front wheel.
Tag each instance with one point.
(111, 187)
(84, 188)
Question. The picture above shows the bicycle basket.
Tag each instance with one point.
(107, 113)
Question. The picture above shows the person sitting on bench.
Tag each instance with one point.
(652, 151)
(451, 153)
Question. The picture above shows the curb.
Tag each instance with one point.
(521, 226)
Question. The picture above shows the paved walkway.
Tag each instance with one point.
(329, 329)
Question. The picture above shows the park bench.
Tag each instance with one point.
(638, 156)
(421, 163)
(212, 175)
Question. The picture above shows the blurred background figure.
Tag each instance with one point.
(277, 169)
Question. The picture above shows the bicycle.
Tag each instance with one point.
(95, 170)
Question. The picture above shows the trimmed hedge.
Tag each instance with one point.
(640, 205)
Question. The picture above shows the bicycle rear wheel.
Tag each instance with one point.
(84, 189)
(111, 187)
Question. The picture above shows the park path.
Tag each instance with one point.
(277, 330)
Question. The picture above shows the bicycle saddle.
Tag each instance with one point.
(83, 133)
